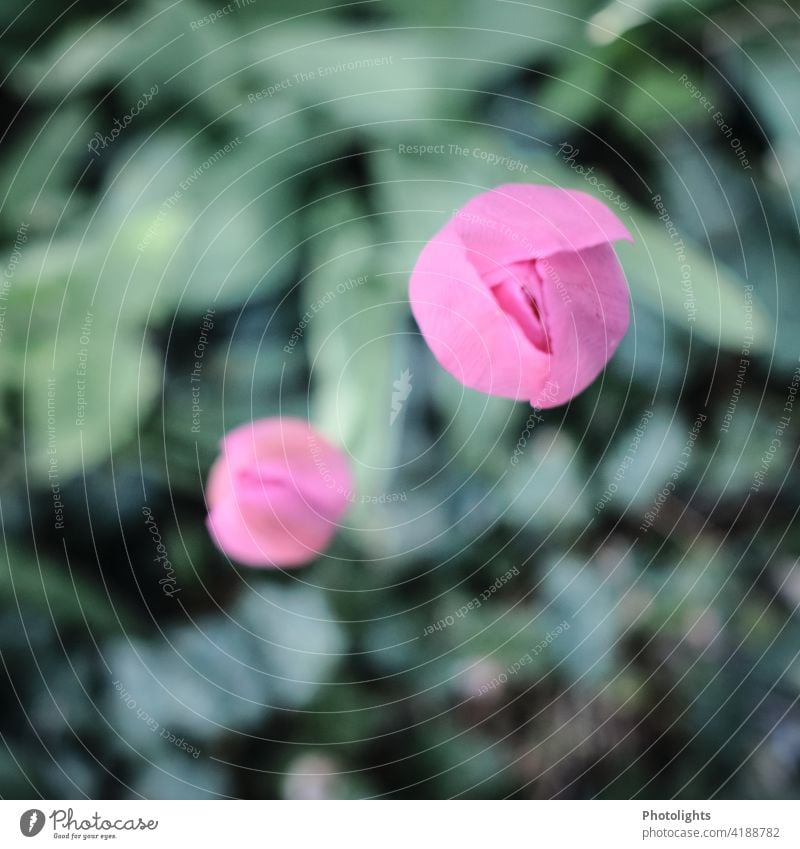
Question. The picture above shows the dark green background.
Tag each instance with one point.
(679, 673)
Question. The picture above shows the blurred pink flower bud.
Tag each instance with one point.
(521, 295)
(276, 493)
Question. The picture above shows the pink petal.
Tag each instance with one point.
(520, 296)
(278, 532)
(469, 333)
(276, 493)
(586, 301)
(492, 292)
(521, 221)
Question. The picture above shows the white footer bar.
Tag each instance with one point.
(401, 824)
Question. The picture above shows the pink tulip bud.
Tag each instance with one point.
(276, 493)
(521, 295)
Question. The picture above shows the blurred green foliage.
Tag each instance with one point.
(678, 675)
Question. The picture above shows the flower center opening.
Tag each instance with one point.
(517, 288)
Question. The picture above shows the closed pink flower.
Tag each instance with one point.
(521, 295)
(276, 493)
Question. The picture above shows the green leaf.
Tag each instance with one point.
(57, 593)
(578, 594)
(693, 290)
(41, 165)
(88, 380)
(667, 271)
(191, 226)
(358, 348)
(545, 486)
